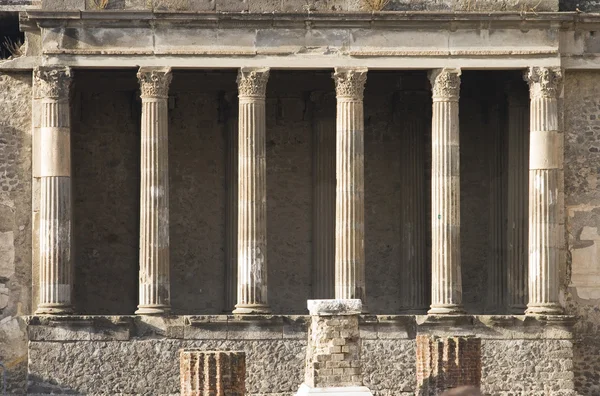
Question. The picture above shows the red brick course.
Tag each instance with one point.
(447, 362)
(208, 373)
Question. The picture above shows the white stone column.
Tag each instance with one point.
(252, 193)
(496, 273)
(231, 210)
(413, 247)
(545, 167)
(323, 270)
(55, 225)
(350, 186)
(518, 185)
(446, 283)
(154, 284)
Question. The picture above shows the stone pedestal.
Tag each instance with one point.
(154, 288)
(545, 170)
(446, 282)
(55, 224)
(209, 373)
(252, 193)
(447, 362)
(333, 351)
(350, 187)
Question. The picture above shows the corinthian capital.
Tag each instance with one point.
(445, 84)
(154, 82)
(544, 82)
(53, 82)
(252, 82)
(350, 83)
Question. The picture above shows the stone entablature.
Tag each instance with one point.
(389, 40)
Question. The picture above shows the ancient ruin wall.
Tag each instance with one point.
(15, 222)
(139, 356)
(582, 200)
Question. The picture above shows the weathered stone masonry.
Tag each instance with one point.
(533, 269)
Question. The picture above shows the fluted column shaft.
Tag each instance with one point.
(545, 166)
(252, 193)
(154, 286)
(496, 273)
(350, 185)
(446, 283)
(231, 213)
(412, 212)
(324, 138)
(518, 184)
(55, 226)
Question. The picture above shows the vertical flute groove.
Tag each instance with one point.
(412, 222)
(518, 198)
(349, 221)
(445, 187)
(324, 138)
(231, 243)
(497, 217)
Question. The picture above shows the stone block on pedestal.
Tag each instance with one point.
(333, 352)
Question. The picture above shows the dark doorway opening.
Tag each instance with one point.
(11, 39)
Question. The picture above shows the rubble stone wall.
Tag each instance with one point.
(581, 286)
(138, 356)
(15, 223)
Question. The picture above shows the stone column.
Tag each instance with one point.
(412, 212)
(252, 193)
(55, 224)
(323, 271)
(208, 373)
(231, 211)
(496, 273)
(154, 193)
(545, 167)
(518, 185)
(350, 186)
(446, 283)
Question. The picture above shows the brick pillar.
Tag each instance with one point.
(208, 373)
(448, 362)
(333, 350)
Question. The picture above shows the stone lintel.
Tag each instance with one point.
(228, 327)
(333, 307)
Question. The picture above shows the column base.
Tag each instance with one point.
(341, 391)
(153, 310)
(413, 311)
(54, 309)
(544, 309)
(517, 309)
(449, 309)
(249, 309)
